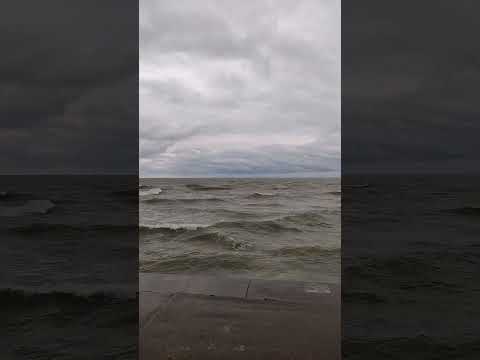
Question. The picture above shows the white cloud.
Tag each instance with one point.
(230, 87)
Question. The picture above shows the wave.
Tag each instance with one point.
(19, 297)
(198, 187)
(186, 200)
(217, 238)
(268, 226)
(199, 233)
(287, 223)
(195, 263)
(150, 191)
(214, 232)
(305, 219)
(259, 195)
(306, 251)
(338, 193)
(45, 227)
(170, 227)
(29, 208)
(233, 213)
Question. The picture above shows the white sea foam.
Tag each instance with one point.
(173, 226)
(149, 192)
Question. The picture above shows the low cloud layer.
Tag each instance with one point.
(231, 88)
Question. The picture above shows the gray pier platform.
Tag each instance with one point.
(198, 317)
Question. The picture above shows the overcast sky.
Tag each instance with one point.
(410, 93)
(69, 90)
(239, 88)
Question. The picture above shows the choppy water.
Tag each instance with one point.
(268, 228)
(410, 261)
(69, 267)
(410, 256)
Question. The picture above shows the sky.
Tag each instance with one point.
(69, 89)
(410, 75)
(239, 88)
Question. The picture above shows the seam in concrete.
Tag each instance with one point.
(248, 288)
(155, 313)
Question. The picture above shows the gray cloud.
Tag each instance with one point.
(237, 88)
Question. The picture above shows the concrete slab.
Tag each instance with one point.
(200, 327)
(193, 284)
(149, 304)
(212, 286)
(218, 318)
(163, 283)
(293, 291)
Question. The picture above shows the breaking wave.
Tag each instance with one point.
(289, 223)
(217, 238)
(179, 201)
(150, 191)
(170, 227)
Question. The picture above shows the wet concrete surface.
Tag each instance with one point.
(198, 317)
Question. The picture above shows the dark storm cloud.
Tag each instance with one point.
(409, 77)
(239, 88)
(69, 86)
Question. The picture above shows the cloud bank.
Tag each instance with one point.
(231, 88)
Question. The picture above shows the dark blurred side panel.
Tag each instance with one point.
(69, 180)
(410, 180)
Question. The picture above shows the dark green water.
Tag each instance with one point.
(268, 228)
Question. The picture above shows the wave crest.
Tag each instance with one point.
(199, 187)
(170, 227)
(150, 191)
(306, 251)
(179, 201)
(259, 195)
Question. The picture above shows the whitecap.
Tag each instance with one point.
(149, 192)
(153, 227)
